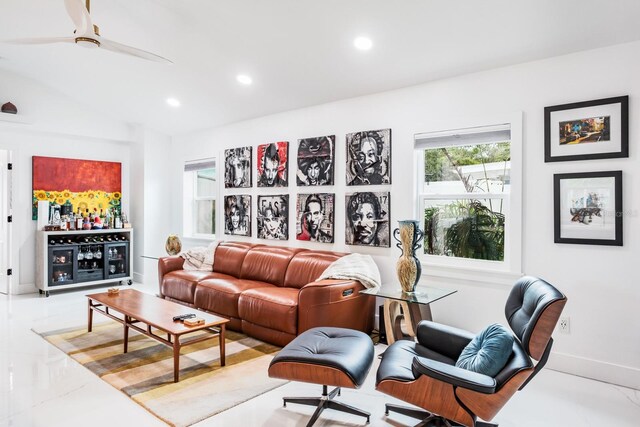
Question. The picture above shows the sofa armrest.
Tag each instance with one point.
(168, 264)
(335, 302)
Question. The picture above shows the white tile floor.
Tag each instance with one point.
(41, 386)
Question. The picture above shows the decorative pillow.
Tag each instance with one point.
(488, 352)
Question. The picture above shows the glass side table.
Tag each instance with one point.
(403, 311)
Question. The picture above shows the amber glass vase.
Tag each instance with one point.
(408, 268)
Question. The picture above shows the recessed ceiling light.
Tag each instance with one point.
(173, 102)
(363, 43)
(244, 79)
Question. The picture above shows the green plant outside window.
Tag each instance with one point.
(466, 227)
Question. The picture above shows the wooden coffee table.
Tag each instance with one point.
(138, 307)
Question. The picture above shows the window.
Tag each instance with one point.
(200, 191)
(467, 201)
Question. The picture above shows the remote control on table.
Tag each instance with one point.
(183, 316)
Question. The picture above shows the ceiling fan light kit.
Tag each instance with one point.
(87, 34)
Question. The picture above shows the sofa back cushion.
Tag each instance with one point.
(267, 264)
(230, 256)
(307, 266)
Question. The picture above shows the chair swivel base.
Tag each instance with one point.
(325, 402)
(429, 419)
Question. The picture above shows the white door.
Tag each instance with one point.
(5, 227)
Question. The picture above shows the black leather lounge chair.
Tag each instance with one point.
(424, 374)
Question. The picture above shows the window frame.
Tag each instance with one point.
(191, 198)
(465, 268)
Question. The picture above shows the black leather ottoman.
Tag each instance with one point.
(329, 356)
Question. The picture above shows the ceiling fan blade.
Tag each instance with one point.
(42, 40)
(128, 50)
(80, 16)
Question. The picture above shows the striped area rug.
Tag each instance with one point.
(145, 373)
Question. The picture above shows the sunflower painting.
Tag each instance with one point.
(86, 184)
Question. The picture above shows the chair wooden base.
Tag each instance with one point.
(428, 419)
(326, 402)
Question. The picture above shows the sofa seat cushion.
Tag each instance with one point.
(274, 308)
(181, 284)
(220, 295)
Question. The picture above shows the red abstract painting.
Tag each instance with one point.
(86, 184)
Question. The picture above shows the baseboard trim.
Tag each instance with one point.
(24, 288)
(611, 373)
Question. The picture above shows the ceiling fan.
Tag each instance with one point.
(87, 34)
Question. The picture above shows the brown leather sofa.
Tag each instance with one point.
(269, 292)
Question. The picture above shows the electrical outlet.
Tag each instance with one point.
(565, 325)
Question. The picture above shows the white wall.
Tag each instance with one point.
(604, 342)
(59, 127)
(151, 201)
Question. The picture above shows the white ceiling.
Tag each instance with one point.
(298, 52)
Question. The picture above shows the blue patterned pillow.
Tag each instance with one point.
(488, 352)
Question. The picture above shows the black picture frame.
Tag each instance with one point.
(614, 127)
(583, 200)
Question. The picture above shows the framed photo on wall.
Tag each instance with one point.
(369, 157)
(315, 217)
(588, 130)
(588, 208)
(367, 219)
(237, 167)
(273, 217)
(273, 164)
(237, 215)
(316, 158)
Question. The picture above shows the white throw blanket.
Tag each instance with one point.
(354, 267)
(200, 258)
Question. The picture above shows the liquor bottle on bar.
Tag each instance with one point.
(78, 219)
(86, 224)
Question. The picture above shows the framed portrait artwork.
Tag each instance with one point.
(369, 157)
(316, 161)
(273, 164)
(588, 208)
(273, 217)
(588, 130)
(315, 217)
(367, 219)
(237, 215)
(237, 167)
